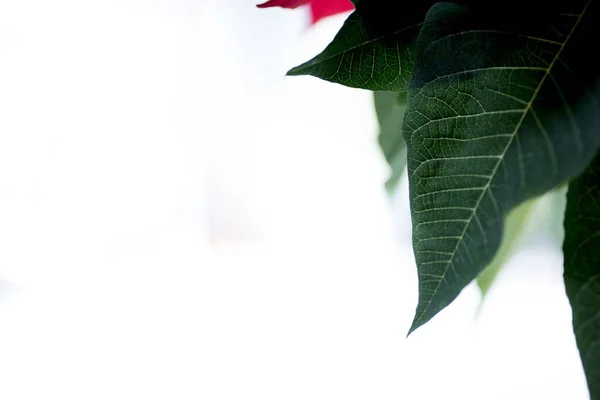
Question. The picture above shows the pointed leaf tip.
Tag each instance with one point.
(369, 38)
(296, 71)
(411, 330)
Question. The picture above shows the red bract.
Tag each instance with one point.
(319, 8)
(325, 8)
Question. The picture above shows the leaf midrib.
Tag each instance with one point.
(500, 159)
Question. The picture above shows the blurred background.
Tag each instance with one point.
(179, 220)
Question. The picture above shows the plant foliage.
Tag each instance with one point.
(390, 108)
(495, 104)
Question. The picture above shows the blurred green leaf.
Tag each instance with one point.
(390, 108)
(515, 228)
(544, 213)
(557, 202)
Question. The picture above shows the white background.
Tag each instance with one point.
(180, 221)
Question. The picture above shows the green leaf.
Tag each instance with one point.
(515, 227)
(557, 202)
(582, 269)
(390, 108)
(503, 107)
(373, 50)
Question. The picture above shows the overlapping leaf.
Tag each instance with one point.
(503, 106)
(374, 49)
(582, 269)
(390, 107)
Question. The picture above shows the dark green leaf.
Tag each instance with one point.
(390, 108)
(502, 108)
(373, 50)
(582, 269)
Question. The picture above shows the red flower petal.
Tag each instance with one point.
(283, 3)
(319, 8)
(324, 8)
